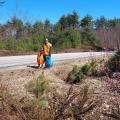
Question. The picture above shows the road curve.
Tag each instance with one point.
(11, 61)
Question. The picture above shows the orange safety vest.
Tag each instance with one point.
(46, 48)
(40, 59)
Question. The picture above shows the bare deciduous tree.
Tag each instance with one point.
(110, 38)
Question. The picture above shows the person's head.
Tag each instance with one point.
(46, 40)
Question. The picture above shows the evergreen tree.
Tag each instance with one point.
(63, 22)
(86, 22)
(47, 25)
(101, 23)
(37, 27)
(73, 20)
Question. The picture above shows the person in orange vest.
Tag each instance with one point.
(47, 48)
(40, 59)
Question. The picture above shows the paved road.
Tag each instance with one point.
(11, 61)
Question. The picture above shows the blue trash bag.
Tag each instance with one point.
(48, 62)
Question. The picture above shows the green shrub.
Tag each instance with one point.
(114, 62)
(20, 45)
(93, 69)
(89, 38)
(10, 44)
(1, 45)
(37, 87)
(89, 68)
(75, 76)
(67, 39)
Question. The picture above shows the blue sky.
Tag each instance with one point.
(32, 10)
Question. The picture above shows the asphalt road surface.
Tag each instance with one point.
(11, 61)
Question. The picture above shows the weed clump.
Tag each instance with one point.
(114, 62)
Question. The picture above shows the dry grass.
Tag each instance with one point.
(12, 108)
(73, 105)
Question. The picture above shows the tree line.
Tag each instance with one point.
(70, 31)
